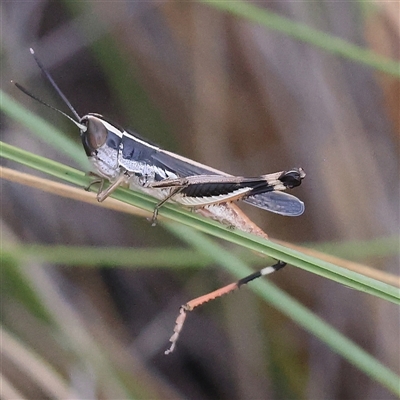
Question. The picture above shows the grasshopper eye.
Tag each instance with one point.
(96, 134)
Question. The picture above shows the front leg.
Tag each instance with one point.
(103, 194)
(97, 179)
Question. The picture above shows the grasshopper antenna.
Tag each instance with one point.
(59, 92)
(23, 90)
(55, 86)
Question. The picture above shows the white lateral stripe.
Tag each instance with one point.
(125, 133)
(267, 270)
(115, 130)
(197, 201)
(111, 128)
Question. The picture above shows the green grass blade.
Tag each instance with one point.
(42, 129)
(28, 361)
(292, 308)
(90, 256)
(355, 249)
(304, 33)
(179, 214)
(16, 286)
(175, 257)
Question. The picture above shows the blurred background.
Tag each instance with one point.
(239, 97)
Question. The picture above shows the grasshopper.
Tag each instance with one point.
(124, 159)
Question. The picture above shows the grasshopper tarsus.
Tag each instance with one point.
(153, 219)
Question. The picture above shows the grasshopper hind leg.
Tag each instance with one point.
(198, 301)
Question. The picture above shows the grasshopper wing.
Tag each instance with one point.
(278, 203)
(182, 166)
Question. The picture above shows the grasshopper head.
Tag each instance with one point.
(101, 141)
